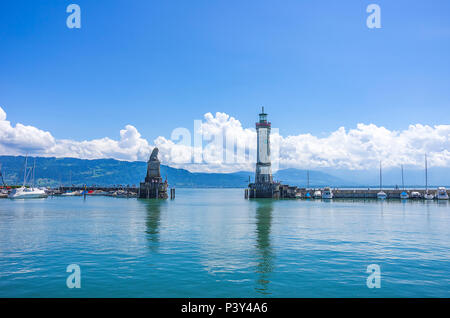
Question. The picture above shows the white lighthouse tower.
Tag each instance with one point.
(264, 186)
(263, 164)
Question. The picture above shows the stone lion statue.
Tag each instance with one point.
(154, 155)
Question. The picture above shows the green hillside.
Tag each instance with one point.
(70, 171)
(66, 171)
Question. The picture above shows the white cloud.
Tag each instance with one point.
(365, 146)
(358, 148)
(129, 147)
(21, 140)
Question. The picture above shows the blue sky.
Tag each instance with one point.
(158, 65)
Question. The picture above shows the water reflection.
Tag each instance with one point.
(381, 204)
(152, 222)
(265, 254)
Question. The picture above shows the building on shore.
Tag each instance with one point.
(264, 186)
(153, 187)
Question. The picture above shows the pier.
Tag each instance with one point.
(98, 188)
(337, 193)
(365, 193)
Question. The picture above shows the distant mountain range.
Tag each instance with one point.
(65, 171)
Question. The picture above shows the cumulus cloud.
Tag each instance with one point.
(364, 146)
(21, 140)
(129, 147)
(220, 143)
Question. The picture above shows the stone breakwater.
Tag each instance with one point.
(366, 193)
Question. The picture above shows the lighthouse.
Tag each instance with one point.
(264, 186)
(263, 165)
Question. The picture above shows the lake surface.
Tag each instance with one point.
(214, 243)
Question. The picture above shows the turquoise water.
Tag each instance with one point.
(214, 243)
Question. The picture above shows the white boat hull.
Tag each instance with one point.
(442, 194)
(29, 196)
(416, 195)
(381, 195)
(23, 193)
(71, 194)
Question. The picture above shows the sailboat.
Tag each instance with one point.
(3, 189)
(427, 196)
(381, 195)
(71, 193)
(404, 195)
(27, 193)
(307, 195)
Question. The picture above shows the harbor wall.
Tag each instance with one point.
(106, 189)
(367, 193)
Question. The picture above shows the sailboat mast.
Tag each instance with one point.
(34, 171)
(381, 182)
(403, 180)
(307, 177)
(25, 171)
(1, 175)
(426, 174)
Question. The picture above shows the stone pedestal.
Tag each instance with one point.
(264, 190)
(156, 189)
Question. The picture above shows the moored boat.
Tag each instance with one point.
(416, 195)
(3, 193)
(442, 194)
(327, 193)
(427, 195)
(404, 195)
(98, 192)
(71, 193)
(381, 195)
(120, 194)
(27, 193)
